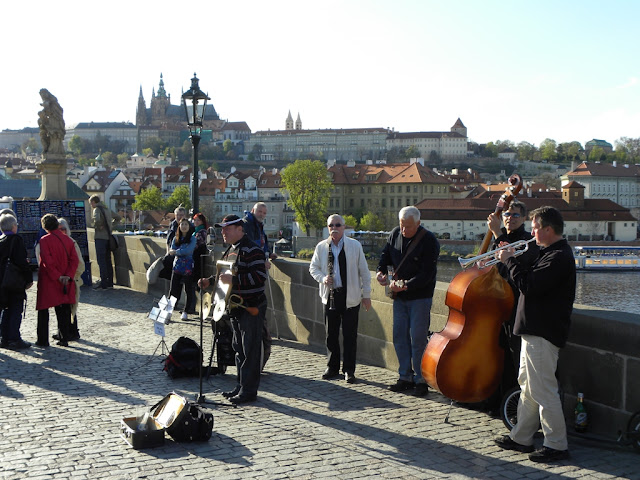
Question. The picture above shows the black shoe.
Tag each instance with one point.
(422, 390)
(62, 343)
(74, 338)
(244, 398)
(548, 455)
(231, 393)
(42, 344)
(507, 443)
(350, 377)
(97, 286)
(401, 386)
(18, 345)
(330, 373)
(55, 336)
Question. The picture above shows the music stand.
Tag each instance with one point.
(161, 316)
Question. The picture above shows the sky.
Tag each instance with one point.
(510, 70)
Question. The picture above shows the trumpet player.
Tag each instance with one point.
(248, 284)
(339, 266)
(543, 319)
(513, 220)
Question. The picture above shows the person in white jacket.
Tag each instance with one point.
(339, 266)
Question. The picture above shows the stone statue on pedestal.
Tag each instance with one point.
(53, 164)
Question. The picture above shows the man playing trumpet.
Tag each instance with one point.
(339, 266)
(248, 285)
(513, 218)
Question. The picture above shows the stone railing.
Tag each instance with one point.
(601, 360)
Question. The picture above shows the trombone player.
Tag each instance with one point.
(339, 266)
(248, 285)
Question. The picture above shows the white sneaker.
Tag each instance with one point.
(184, 316)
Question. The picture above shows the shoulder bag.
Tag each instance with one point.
(387, 289)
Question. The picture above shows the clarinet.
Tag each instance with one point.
(332, 303)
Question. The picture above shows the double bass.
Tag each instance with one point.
(464, 361)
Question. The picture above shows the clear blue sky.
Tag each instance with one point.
(566, 70)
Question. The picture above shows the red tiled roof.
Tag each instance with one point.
(605, 170)
(480, 208)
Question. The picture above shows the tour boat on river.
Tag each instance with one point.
(599, 258)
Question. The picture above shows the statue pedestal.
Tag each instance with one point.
(53, 168)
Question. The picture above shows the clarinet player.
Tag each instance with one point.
(339, 266)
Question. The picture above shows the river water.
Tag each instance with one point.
(611, 290)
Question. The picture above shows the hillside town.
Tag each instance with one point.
(452, 180)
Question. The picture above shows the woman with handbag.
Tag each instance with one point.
(16, 280)
(43, 315)
(56, 288)
(183, 246)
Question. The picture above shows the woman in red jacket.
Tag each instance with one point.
(58, 264)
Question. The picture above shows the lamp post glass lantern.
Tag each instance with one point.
(195, 104)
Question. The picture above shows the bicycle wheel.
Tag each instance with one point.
(633, 430)
(509, 407)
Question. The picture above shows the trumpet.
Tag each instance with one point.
(523, 245)
(236, 300)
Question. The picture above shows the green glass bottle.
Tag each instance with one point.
(580, 415)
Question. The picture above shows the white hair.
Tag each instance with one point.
(335, 215)
(259, 204)
(407, 212)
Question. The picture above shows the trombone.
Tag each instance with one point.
(236, 300)
(523, 245)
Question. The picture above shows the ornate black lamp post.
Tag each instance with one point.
(195, 103)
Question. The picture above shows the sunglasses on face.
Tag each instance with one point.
(336, 225)
(511, 214)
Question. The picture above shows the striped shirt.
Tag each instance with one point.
(252, 274)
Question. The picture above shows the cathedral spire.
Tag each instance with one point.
(161, 92)
(289, 122)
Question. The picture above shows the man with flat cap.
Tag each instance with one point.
(247, 283)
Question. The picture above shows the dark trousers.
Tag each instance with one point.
(11, 318)
(103, 255)
(177, 281)
(43, 325)
(63, 315)
(333, 320)
(247, 343)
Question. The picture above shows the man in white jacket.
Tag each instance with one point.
(339, 266)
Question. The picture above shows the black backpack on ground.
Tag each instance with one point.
(184, 360)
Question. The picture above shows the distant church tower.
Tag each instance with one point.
(141, 110)
(298, 123)
(289, 122)
(159, 104)
(459, 127)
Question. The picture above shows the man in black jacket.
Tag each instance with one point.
(513, 219)
(547, 291)
(412, 252)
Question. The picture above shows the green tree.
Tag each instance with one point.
(371, 222)
(109, 158)
(180, 196)
(76, 145)
(227, 145)
(31, 146)
(156, 144)
(147, 151)
(525, 151)
(309, 187)
(122, 159)
(149, 199)
(596, 153)
(412, 152)
(351, 221)
(548, 150)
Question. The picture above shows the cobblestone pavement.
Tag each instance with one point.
(61, 410)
